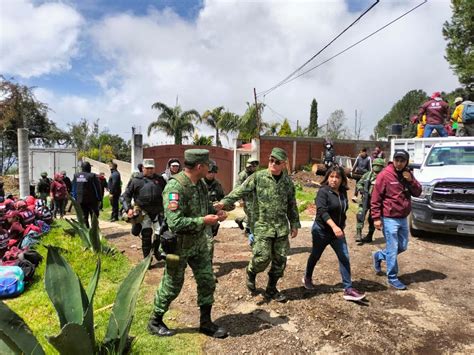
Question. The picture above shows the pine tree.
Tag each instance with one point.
(459, 34)
(285, 130)
(313, 119)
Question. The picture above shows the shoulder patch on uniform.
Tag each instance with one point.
(172, 196)
(173, 205)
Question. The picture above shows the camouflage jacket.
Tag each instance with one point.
(216, 192)
(274, 209)
(185, 205)
(248, 199)
(368, 176)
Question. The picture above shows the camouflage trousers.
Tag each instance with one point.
(197, 256)
(361, 219)
(269, 249)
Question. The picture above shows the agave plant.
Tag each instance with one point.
(91, 237)
(74, 306)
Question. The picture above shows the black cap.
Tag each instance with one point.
(86, 166)
(401, 153)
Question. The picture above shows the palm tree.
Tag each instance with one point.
(251, 124)
(222, 122)
(202, 140)
(272, 129)
(174, 122)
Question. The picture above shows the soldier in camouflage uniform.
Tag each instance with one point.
(365, 186)
(274, 213)
(189, 216)
(250, 168)
(216, 193)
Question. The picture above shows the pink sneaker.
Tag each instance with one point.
(351, 294)
(307, 283)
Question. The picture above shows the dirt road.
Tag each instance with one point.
(435, 315)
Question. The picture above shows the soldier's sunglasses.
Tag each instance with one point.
(274, 161)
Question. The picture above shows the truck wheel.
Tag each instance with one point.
(417, 233)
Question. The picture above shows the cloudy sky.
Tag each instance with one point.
(113, 59)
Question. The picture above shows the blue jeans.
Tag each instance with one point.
(395, 231)
(438, 127)
(321, 239)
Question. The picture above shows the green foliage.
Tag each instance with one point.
(272, 129)
(174, 122)
(400, 113)
(91, 237)
(96, 144)
(285, 129)
(251, 124)
(304, 198)
(75, 311)
(15, 336)
(222, 122)
(19, 108)
(460, 33)
(202, 140)
(313, 119)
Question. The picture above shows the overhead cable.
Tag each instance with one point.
(320, 51)
(353, 45)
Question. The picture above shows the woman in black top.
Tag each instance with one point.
(328, 229)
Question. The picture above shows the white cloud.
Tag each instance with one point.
(234, 46)
(37, 40)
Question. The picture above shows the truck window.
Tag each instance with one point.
(451, 156)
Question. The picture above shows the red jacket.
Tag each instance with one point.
(391, 197)
(437, 112)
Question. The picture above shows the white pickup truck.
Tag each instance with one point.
(445, 169)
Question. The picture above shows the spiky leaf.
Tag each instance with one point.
(78, 209)
(73, 340)
(64, 289)
(124, 305)
(81, 230)
(94, 235)
(88, 321)
(15, 336)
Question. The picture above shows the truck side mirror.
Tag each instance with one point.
(414, 166)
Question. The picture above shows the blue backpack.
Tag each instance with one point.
(11, 281)
(468, 113)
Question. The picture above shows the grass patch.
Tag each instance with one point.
(38, 312)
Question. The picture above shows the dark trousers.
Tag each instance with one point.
(59, 207)
(88, 209)
(321, 239)
(114, 201)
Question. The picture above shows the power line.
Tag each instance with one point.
(355, 44)
(320, 51)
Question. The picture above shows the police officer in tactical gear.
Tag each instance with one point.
(189, 216)
(86, 191)
(115, 190)
(146, 190)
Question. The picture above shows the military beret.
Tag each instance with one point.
(279, 153)
(196, 156)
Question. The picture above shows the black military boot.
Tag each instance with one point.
(240, 223)
(272, 292)
(207, 327)
(156, 326)
(368, 237)
(358, 238)
(251, 280)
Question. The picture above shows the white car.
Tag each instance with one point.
(446, 204)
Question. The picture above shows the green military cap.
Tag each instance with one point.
(196, 156)
(279, 153)
(212, 167)
(379, 161)
(252, 161)
(44, 174)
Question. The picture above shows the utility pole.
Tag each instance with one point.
(297, 126)
(256, 111)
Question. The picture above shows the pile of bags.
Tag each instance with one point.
(22, 223)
